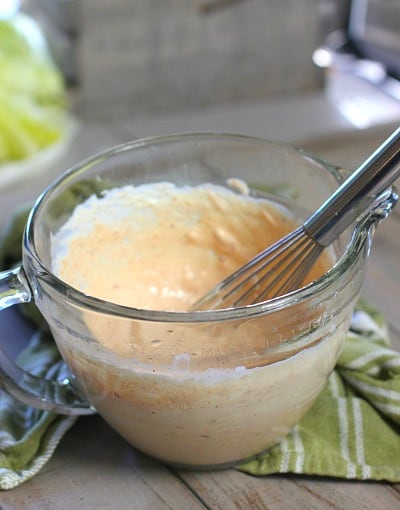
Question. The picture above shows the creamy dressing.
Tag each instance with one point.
(161, 247)
(200, 394)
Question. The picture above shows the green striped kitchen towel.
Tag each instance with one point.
(28, 436)
(353, 429)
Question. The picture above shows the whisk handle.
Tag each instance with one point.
(357, 193)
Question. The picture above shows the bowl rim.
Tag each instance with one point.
(78, 298)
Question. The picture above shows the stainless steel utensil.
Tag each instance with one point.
(282, 267)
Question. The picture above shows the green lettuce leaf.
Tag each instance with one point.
(32, 91)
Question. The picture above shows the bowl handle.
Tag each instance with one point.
(383, 206)
(58, 396)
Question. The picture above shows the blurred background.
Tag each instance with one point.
(305, 71)
(150, 56)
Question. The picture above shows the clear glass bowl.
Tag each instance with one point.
(231, 397)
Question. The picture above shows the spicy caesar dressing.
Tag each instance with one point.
(188, 394)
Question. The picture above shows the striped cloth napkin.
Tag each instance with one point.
(28, 436)
(353, 429)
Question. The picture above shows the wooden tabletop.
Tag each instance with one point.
(93, 468)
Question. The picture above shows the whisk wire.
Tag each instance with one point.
(254, 267)
(299, 260)
(273, 262)
(289, 260)
(261, 257)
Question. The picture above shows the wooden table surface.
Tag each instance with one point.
(93, 468)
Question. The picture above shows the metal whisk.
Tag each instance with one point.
(283, 266)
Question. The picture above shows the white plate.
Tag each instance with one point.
(15, 171)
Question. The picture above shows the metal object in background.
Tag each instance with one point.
(374, 31)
